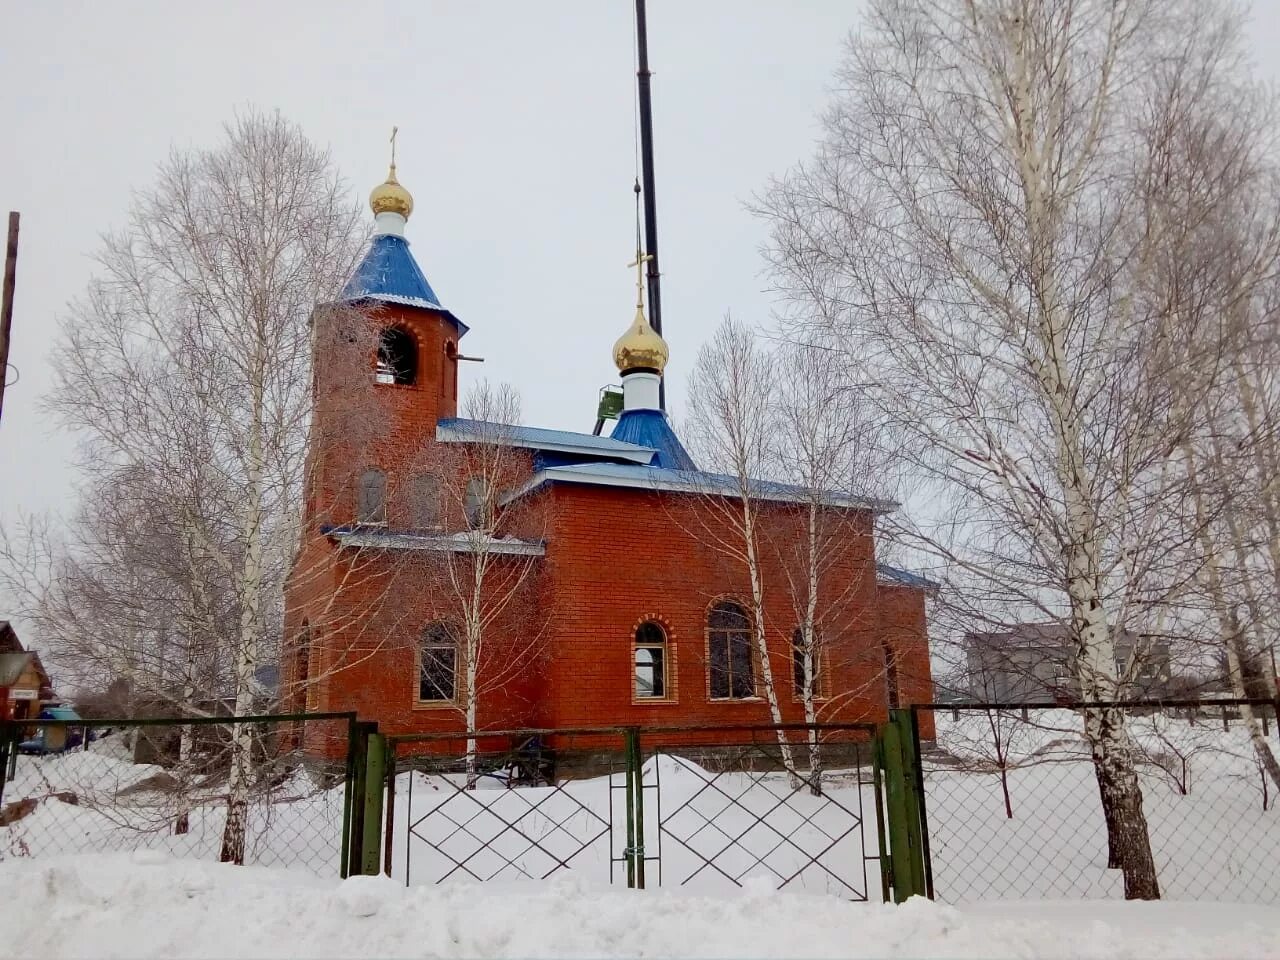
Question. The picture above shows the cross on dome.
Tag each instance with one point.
(390, 202)
(641, 348)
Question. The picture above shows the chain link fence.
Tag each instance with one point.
(1013, 809)
(167, 785)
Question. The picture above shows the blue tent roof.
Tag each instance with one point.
(649, 428)
(388, 273)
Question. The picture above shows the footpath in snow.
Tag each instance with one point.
(149, 905)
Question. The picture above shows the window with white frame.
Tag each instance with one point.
(650, 648)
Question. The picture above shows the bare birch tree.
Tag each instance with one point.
(195, 341)
(825, 445)
(731, 407)
(970, 218)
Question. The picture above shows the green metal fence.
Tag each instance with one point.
(831, 808)
(274, 790)
(701, 807)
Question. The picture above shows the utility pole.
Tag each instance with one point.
(6, 301)
(646, 163)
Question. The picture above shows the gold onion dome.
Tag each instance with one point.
(640, 347)
(391, 197)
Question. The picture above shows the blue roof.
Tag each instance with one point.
(643, 477)
(388, 273)
(458, 429)
(904, 577)
(650, 428)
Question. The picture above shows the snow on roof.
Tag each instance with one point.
(650, 428)
(465, 541)
(459, 430)
(640, 477)
(389, 274)
(904, 578)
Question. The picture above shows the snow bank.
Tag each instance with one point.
(147, 905)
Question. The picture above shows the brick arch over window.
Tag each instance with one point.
(730, 660)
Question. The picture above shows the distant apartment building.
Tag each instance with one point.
(1035, 663)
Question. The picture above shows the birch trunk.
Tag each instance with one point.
(811, 655)
(1128, 838)
(241, 746)
(471, 712)
(1229, 631)
(760, 635)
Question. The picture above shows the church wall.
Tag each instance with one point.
(902, 625)
(365, 635)
(361, 424)
(615, 557)
(619, 557)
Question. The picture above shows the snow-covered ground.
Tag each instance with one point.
(148, 905)
(1214, 842)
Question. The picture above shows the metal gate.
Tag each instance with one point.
(708, 808)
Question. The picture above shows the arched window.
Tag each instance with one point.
(650, 660)
(729, 652)
(371, 497)
(312, 670)
(302, 667)
(397, 357)
(891, 677)
(476, 504)
(426, 501)
(438, 663)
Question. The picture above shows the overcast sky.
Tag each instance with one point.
(516, 139)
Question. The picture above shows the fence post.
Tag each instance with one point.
(917, 767)
(374, 782)
(902, 807)
(635, 810)
(354, 798)
(877, 779)
(391, 806)
(8, 751)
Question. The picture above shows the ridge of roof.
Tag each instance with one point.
(904, 577)
(463, 430)
(645, 477)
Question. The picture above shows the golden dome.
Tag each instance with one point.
(640, 347)
(390, 197)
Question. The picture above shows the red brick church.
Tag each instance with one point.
(613, 600)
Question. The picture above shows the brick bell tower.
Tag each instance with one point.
(366, 429)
